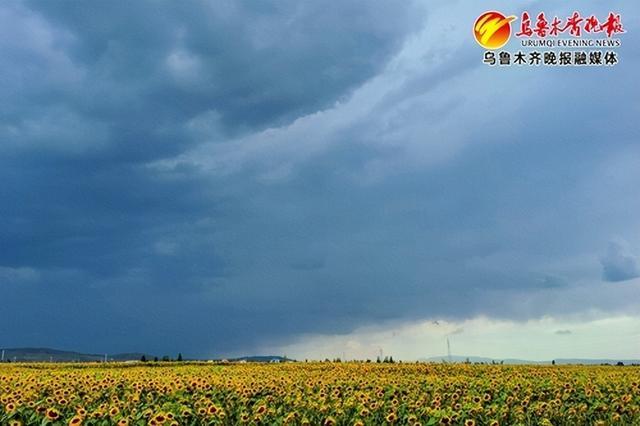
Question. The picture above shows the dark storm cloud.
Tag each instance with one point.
(254, 64)
(92, 237)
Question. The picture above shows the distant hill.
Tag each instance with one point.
(596, 361)
(55, 355)
(261, 358)
(478, 359)
(559, 361)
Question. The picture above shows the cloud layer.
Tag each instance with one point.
(618, 264)
(215, 180)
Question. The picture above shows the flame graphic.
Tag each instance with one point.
(492, 29)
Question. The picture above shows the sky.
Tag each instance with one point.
(236, 177)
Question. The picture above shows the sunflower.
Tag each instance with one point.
(75, 421)
(52, 414)
(469, 422)
(329, 421)
(391, 417)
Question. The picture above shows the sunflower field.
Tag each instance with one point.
(317, 394)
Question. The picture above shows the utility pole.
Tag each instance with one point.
(2, 360)
(448, 350)
(105, 358)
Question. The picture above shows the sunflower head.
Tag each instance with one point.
(329, 421)
(75, 421)
(52, 414)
